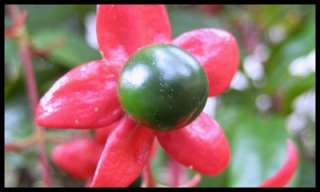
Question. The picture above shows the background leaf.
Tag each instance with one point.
(258, 145)
(299, 44)
(185, 18)
(68, 49)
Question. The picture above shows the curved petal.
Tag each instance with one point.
(101, 134)
(201, 145)
(124, 155)
(78, 158)
(84, 97)
(154, 149)
(285, 174)
(122, 29)
(217, 51)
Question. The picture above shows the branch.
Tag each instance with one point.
(18, 30)
(147, 177)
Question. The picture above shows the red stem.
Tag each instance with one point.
(177, 173)
(47, 181)
(147, 177)
(26, 59)
(12, 147)
(193, 182)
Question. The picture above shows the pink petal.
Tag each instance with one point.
(122, 29)
(101, 134)
(154, 149)
(201, 145)
(78, 158)
(217, 51)
(85, 97)
(285, 174)
(126, 152)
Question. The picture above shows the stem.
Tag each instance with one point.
(18, 146)
(147, 177)
(193, 182)
(26, 59)
(45, 165)
(250, 35)
(177, 172)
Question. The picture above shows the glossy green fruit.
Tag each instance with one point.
(163, 87)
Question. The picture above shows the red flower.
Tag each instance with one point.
(86, 97)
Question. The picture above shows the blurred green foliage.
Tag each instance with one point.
(257, 138)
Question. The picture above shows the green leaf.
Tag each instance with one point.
(306, 176)
(186, 19)
(12, 66)
(46, 73)
(297, 45)
(217, 181)
(258, 145)
(294, 87)
(65, 48)
(18, 121)
(59, 16)
(21, 169)
(267, 16)
(44, 16)
(241, 99)
(7, 22)
(12, 61)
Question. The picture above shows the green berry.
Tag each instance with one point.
(163, 87)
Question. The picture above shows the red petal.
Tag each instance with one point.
(217, 51)
(201, 145)
(154, 149)
(78, 158)
(122, 29)
(126, 152)
(284, 175)
(102, 134)
(85, 97)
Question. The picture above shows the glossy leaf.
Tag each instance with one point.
(46, 73)
(186, 18)
(147, 24)
(285, 174)
(85, 97)
(12, 67)
(217, 51)
(78, 158)
(12, 61)
(306, 176)
(200, 145)
(124, 155)
(298, 44)
(254, 157)
(45, 16)
(64, 47)
(266, 21)
(17, 119)
(294, 87)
